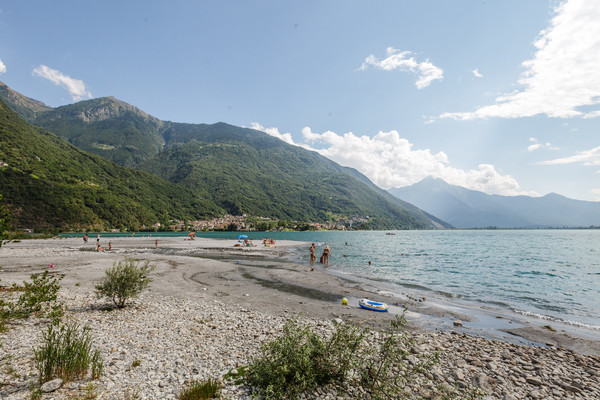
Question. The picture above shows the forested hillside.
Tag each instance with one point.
(48, 183)
(238, 170)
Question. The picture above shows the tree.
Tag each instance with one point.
(4, 221)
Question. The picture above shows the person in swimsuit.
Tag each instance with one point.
(326, 254)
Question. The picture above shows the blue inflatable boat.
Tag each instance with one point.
(372, 305)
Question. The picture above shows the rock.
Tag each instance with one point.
(458, 374)
(51, 386)
(484, 382)
(535, 394)
(457, 322)
(571, 389)
(534, 380)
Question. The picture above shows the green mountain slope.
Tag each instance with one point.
(48, 183)
(108, 127)
(250, 172)
(241, 170)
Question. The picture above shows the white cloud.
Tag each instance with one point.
(536, 145)
(76, 87)
(426, 72)
(391, 161)
(587, 157)
(286, 137)
(563, 74)
(476, 73)
(2, 67)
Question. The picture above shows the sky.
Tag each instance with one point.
(501, 96)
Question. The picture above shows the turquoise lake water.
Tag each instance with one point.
(546, 274)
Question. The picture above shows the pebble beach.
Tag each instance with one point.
(212, 305)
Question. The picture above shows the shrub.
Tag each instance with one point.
(67, 354)
(198, 390)
(381, 364)
(300, 360)
(38, 297)
(125, 280)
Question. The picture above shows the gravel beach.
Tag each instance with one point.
(211, 305)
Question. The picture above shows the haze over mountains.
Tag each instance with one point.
(464, 208)
(219, 167)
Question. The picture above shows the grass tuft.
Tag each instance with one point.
(199, 390)
(67, 354)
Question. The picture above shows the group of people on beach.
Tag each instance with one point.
(98, 246)
(324, 257)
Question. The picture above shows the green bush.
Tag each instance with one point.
(67, 354)
(380, 364)
(125, 280)
(38, 297)
(300, 360)
(198, 390)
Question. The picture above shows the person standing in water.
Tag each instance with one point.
(313, 257)
(326, 254)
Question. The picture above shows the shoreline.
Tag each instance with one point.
(192, 275)
(268, 268)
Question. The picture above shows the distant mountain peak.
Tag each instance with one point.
(465, 208)
(103, 108)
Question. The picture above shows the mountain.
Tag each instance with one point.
(24, 106)
(464, 208)
(49, 183)
(106, 126)
(242, 171)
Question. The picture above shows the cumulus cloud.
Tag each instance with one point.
(392, 161)
(535, 145)
(2, 67)
(563, 74)
(286, 137)
(402, 60)
(476, 73)
(587, 157)
(76, 87)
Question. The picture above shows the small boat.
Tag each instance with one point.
(372, 305)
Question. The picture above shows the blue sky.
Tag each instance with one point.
(498, 96)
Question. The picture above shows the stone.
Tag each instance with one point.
(534, 380)
(484, 382)
(458, 374)
(52, 385)
(457, 322)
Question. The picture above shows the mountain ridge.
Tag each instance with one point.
(48, 183)
(464, 208)
(240, 170)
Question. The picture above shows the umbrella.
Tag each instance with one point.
(242, 236)
(191, 233)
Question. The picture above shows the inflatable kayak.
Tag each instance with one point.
(372, 305)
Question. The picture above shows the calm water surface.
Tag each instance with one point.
(549, 274)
